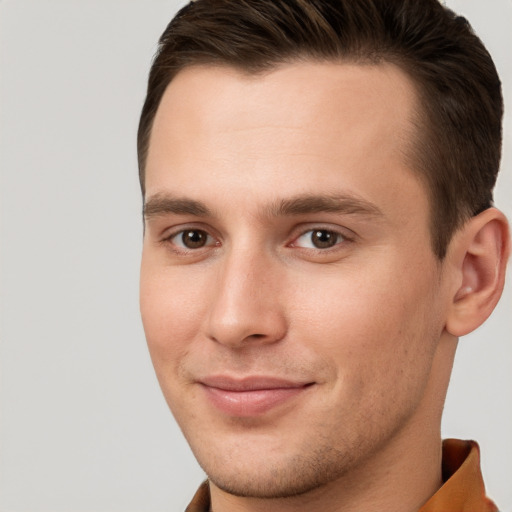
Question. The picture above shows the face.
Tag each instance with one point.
(291, 301)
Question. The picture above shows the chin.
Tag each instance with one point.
(268, 487)
(283, 478)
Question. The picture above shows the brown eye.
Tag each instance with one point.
(191, 239)
(194, 238)
(319, 239)
(323, 239)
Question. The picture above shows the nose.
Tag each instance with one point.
(247, 308)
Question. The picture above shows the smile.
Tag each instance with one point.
(250, 396)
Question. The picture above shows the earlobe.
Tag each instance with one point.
(480, 256)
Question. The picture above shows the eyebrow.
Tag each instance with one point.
(164, 204)
(161, 204)
(311, 203)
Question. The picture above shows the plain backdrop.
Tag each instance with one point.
(83, 425)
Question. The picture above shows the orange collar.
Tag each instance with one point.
(463, 489)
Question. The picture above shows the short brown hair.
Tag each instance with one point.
(457, 147)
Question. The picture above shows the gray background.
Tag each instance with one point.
(83, 426)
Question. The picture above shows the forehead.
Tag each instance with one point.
(296, 94)
(335, 127)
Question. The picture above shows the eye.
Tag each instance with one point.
(319, 239)
(190, 239)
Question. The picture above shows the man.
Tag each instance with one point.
(319, 231)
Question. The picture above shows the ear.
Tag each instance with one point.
(478, 254)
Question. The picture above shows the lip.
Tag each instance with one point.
(250, 396)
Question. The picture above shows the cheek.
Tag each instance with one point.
(171, 313)
(371, 322)
(380, 346)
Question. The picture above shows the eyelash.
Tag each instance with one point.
(341, 239)
(168, 240)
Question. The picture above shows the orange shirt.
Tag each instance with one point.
(463, 489)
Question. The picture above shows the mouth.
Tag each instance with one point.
(250, 396)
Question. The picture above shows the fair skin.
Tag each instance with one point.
(300, 326)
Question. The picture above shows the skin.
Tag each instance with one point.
(363, 323)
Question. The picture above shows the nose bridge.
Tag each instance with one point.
(245, 304)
